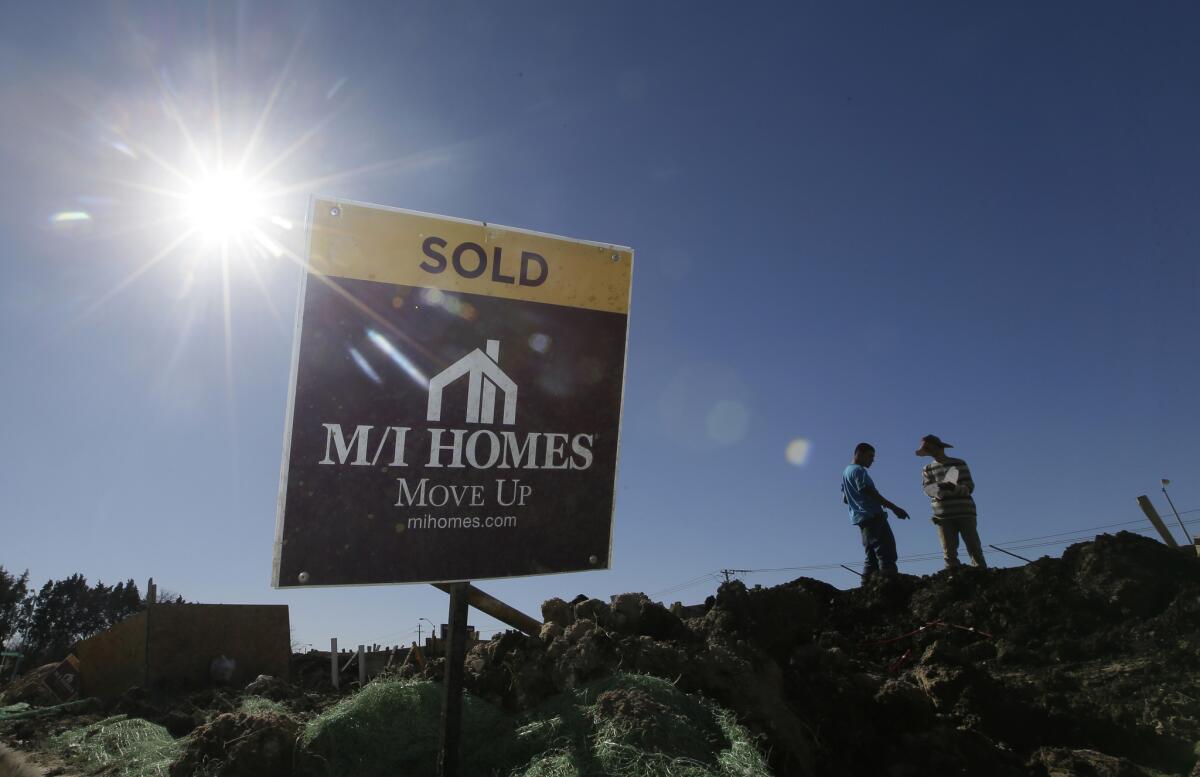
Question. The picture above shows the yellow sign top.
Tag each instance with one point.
(367, 242)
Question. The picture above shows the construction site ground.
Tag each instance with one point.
(1088, 664)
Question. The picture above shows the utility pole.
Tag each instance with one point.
(433, 631)
(731, 572)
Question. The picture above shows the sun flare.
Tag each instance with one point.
(224, 207)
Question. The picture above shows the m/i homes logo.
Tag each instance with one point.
(483, 371)
(464, 448)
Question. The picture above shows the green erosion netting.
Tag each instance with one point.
(14, 711)
(637, 726)
(134, 747)
(621, 726)
(253, 705)
(392, 727)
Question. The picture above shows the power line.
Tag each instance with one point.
(688, 583)
(1041, 541)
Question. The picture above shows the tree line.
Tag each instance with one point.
(44, 625)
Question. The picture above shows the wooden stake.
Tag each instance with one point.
(336, 676)
(151, 598)
(362, 668)
(490, 605)
(450, 751)
(1152, 514)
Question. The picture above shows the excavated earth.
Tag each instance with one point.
(1087, 664)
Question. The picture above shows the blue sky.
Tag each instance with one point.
(851, 222)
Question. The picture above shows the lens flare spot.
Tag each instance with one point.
(797, 452)
(365, 366)
(123, 149)
(727, 421)
(398, 358)
(540, 342)
(337, 87)
(69, 216)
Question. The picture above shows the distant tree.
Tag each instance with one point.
(119, 602)
(167, 596)
(13, 592)
(66, 611)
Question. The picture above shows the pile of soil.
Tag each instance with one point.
(1085, 664)
(1082, 665)
(260, 744)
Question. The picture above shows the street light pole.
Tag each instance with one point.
(1166, 483)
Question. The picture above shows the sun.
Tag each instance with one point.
(224, 207)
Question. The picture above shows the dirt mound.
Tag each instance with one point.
(996, 672)
(639, 720)
(178, 715)
(240, 745)
(1081, 665)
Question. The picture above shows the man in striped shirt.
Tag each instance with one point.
(948, 483)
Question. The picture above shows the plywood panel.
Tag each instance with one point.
(185, 638)
(114, 660)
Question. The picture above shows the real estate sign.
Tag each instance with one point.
(455, 401)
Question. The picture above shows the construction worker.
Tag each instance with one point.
(866, 506)
(947, 481)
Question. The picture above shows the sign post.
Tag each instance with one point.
(450, 748)
(453, 414)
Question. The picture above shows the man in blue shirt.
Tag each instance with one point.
(867, 513)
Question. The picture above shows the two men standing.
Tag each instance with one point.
(948, 483)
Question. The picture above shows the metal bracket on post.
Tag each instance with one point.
(450, 751)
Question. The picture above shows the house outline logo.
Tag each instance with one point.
(483, 371)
